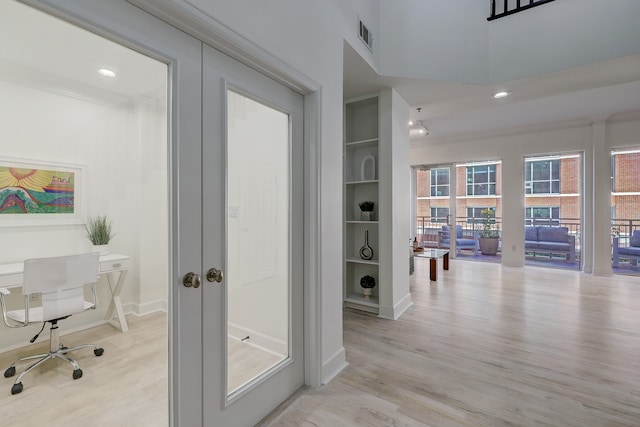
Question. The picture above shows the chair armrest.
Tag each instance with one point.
(572, 240)
(9, 324)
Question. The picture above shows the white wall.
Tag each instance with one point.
(125, 172)
(394, 171)
(560, 35)
(594, 140)
(434, 39)
(453, 41)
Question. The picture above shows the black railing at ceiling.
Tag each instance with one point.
(502, 8)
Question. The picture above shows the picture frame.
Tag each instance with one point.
(36, 193)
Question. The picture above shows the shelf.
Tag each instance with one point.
(360, 299)
(369, 181)
(362, 144)
(363, 261)
(361, 222)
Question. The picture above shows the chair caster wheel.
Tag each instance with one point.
(98, 351)
(10, 372)
(77, 374)
(16, 388)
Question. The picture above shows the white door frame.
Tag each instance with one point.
(118, 21)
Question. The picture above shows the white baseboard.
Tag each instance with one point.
(257, 339)
(334, 365)
(146, 308)
(402, 306)
(392, 313)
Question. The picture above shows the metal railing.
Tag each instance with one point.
(623, 229)
(502, 8)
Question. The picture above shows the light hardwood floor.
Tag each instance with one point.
(484, 346)
(488, 346)
(126, 386)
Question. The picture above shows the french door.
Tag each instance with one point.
(435, 206)
(252, 240)
(236, 229)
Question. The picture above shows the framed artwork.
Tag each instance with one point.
(39, 193)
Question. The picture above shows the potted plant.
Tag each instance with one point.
(368, 283)
(489, 234)
(99, 233)
(366, 210)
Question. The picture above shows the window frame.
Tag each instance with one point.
(433, 183)
(473, 184)
(530, 182)
(438, 219)
(550, 220)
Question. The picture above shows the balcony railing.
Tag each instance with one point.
(502, 8)
(427, 227)
(624, 228)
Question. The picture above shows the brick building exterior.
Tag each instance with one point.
(625, 188)
(552, 191)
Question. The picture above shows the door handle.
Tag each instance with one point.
(215, 275)
(191, 280)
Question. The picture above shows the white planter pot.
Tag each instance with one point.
(101, 249)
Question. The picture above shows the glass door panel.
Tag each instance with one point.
(625, 205)
(435, 187)
(258, 238)
(552, 210)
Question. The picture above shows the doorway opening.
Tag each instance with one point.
(625, 205)
(74, 100)
(553, 217)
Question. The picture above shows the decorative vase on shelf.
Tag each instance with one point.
(366, 252)
(368, 168)
(368, 283)
(366, 210)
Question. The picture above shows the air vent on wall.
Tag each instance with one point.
(365, 35)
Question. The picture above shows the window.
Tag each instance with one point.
(440, 182)
(540, 215)
(542, 177)
(474, 214)
(481, 180)
(439, 214)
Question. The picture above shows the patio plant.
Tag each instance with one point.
(489, 234)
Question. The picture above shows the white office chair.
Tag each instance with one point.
(60, 282)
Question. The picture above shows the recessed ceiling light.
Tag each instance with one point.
(107, 72)
(410, 122)
(498, 95)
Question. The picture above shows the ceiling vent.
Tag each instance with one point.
(365, 35)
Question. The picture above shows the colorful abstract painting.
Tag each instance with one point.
(37, 190)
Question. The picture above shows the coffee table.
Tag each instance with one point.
(433, 255)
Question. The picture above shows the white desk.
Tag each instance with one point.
(11, 277)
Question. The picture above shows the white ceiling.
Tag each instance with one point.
(453, 110)
(37, 49)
